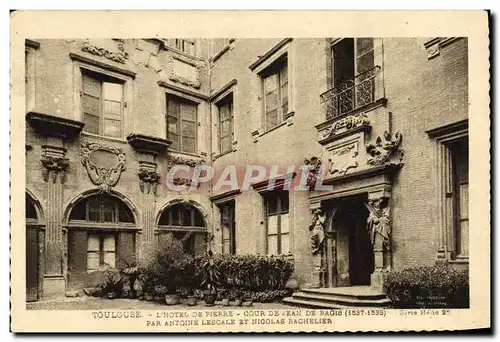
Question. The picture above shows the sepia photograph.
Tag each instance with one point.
(195, 183)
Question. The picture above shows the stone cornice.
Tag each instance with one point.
(148, 144)
(222, 90)
(55, 126)
(458, 126)
(269, 53)
(279, 182)
(87, 60)
(31, 44)
(194, 94)
(225, 196)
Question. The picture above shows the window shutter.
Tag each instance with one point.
(126, 248)
(91, 103)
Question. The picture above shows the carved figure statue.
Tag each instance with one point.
(383, 149)
(317, 229)
(378, 222)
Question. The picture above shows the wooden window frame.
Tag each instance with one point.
(103, 78)
(228, 99)
(232, 226)
(101, 235)
(355, 55)
(182, 100)
(192, 226)
(275, 69)
(101, 221)
(279, 213)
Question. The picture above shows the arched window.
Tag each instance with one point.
(30, 209)
(182, 216)
(102, 208)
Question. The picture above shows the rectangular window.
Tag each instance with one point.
(277, 222)
(275, 93)
(228, 225)
(226, 125)
(102, 105)
(185, 45)
(460, 194)
(353, 74)
(181, 124)
(101, 249)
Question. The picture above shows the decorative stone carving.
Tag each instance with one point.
(384, 149)
(434, 45)
(173, 160)
(343, 159)
(56, 165)
(317, 229)
(314, 169)
(255, 135)
(177, 77)
(379, 222)
(347, 123)
(148, 180)
(183, 181)
(104, 164)
(121, 56)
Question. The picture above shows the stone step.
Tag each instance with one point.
(342, 300)
(353, 292)
(312, 304)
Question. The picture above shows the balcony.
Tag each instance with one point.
(358, 92)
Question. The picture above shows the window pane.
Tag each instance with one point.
(112, 128)
(271, 100)
(464, 238)
(94, 214)
(285, 243)
(109, 243)
(284, 223)
(284, 75)
(91, 86)
(175, 141)
(188, 145)
(112, 91)
(173, 108)
(227, 246)
(271, 203)
(363, 45)
(90, 104)
(109, 211)
(93, 243)
(187, 219)
(270, 83)
(284, 199)
(188, 112)
(225, 112)
(188, 129)
(91, 123)
(225, 144)
(110, 259)
(464, 201)
(365, 62)
(225, 128)
(198, 219)
(93, 261)
(176, 216)
(172, 125)
(272, 224)
(271, 119)
(272, 244)
(112, 109)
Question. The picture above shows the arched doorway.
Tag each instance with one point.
(34, 250)
(101, 232)
(184, 222)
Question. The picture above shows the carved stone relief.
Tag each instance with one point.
(182, 161)
(121, 56)
(148, 180)
(104, 164)
(314, 169)
(379, 222)
(385, 150)
(343, 158)
(345, 124)
(180, 68)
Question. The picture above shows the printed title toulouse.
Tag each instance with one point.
(308, 177)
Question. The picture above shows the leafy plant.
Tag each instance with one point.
(429, 286)
(210, 273)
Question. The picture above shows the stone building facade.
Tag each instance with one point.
(382, 124)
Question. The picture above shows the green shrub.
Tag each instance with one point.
(428, 287)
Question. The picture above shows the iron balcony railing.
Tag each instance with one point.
(354, 93)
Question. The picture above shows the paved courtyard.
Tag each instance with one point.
(91, 303)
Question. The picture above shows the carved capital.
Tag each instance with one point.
(148, 180)
(385, 150)
(55, 166)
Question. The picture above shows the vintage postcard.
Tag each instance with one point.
(197, 171)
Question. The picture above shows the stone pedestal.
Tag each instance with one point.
(53, 287)
(377, 279)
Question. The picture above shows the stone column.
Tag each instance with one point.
(55, 166)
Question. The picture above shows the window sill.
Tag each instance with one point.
(185, 153)
(97, 136)
(257, 135)
(219, 155)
